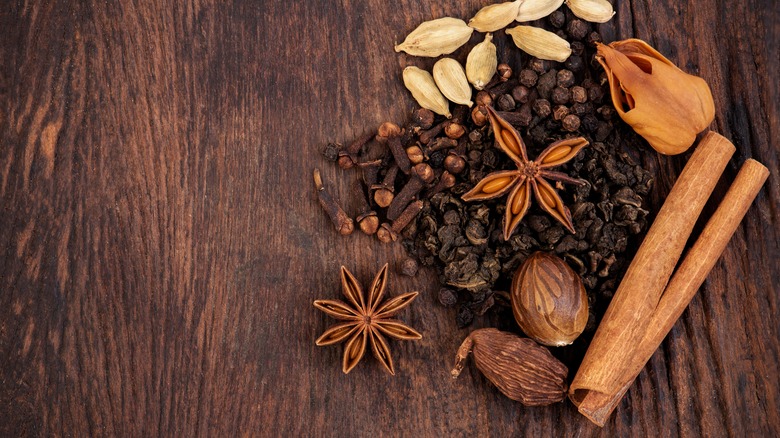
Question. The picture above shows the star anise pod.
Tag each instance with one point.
(529, 176)
(366, 320)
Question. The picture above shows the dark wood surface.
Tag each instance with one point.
(161, 243)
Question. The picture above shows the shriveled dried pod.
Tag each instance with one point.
(540, 43)
(496, 16)
(425, 91)
(595, 11)
(481, 63)
(520, 368)
(451, 80)
(436, 37)
(531, 10)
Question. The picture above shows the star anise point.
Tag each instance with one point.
(530, 176)
(367, 320)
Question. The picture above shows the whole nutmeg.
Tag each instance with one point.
(549, 300)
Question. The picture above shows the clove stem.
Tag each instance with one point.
(341, 221)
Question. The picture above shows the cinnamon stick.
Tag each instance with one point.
(698, 263)
(625, 323)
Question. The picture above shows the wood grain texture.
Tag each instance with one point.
(161, 242)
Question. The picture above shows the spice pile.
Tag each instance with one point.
(528, 200)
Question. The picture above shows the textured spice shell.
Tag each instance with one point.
(595, 11)
(496, 16)
(520, 368)
(425, 91)
(549, 301)
(531, 10)
(481, 63)
(540, 43)
(436, 37)
(451, 79)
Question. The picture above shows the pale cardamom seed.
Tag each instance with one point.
(436, 37)
(494, 17)
(451, 80)
(481, 63)
(425, 92)
(535, 9)
(595, 11)
(540, 43)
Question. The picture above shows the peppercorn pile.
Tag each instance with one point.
(412, 184)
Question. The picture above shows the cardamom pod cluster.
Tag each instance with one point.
(425, 91)
(662, 103)
(595, 11)
(451, 80)
(496, 16)
(531, 10)
(436, 37)
(519, 367)
(540, 43)
(481, 63)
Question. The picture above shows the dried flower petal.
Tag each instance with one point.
(354, 350)
(663, 104)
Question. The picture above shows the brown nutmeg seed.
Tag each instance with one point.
(549, 300)
(519, 367)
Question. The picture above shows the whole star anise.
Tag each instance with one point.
(529, 176)
(367, 320)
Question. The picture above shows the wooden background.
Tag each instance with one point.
(161, 244)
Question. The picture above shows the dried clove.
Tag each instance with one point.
(388, 233)
(366, 219)
(384, 192)
(446, 181)
(348, 156)
(341, 221)
(370, 170)
(422, 174)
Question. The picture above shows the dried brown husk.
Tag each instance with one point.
(520, 368)
(662, 103)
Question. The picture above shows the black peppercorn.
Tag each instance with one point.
(579, 94)
(520, 93)
(590, 123)
(560, 95)
(524, 115)
(546, 83)
(571, 123)
(577, 29)
(595, 94)
(577, 47)
(557, 19)
(542, 107)
(559, 112)
(565, 78)
(593, 38)
(581, 109)
(506, 102)
(528, 77)
(538, 65)
(575, 63)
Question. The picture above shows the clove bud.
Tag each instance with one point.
(341, 221)
(663, 104)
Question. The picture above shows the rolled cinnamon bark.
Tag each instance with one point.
(625, 323)
(598, 405)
